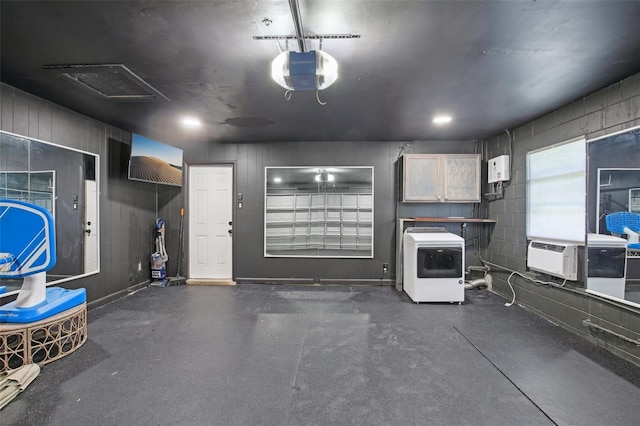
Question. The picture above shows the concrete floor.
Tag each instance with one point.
(311, 355)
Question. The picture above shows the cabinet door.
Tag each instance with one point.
(462, 178)
(422, 178)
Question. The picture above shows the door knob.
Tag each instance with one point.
(230, 223)
(230, 231)
(87, 231)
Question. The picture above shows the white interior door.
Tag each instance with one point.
(90, 227)
(210, 213)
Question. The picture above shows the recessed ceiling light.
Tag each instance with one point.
(190, 122)
(442, 119)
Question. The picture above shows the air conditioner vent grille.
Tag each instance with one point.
(115, 82)
(558, 260)
(548, 246)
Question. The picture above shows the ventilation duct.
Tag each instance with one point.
(111, 81)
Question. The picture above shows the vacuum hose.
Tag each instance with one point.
(480, 282)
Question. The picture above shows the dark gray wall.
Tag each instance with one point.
(250, 161)
(609, 110)
(127, 208)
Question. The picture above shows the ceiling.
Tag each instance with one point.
(491, 65)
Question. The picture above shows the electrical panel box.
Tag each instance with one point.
(499, 169)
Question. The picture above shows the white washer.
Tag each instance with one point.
(607, 264)
(433, 266)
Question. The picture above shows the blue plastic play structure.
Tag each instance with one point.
(28, 250)
(625, 223)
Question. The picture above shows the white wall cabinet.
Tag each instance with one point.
(440, 178)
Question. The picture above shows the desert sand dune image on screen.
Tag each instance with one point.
(155, 170)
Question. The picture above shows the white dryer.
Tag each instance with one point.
(433, 262)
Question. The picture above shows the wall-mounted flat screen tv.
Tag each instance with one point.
(155, 162)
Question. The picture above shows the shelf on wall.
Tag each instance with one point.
(450, 219)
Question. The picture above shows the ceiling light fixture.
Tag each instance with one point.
(313, 70)
(441, 119)
(324, 176)
(190, 122)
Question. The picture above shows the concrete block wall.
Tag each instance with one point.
(606, 111)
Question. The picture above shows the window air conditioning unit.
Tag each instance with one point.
(554, 258)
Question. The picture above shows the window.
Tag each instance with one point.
(556, 185)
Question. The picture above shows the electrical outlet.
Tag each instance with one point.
(139, 266)
(385, 267)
